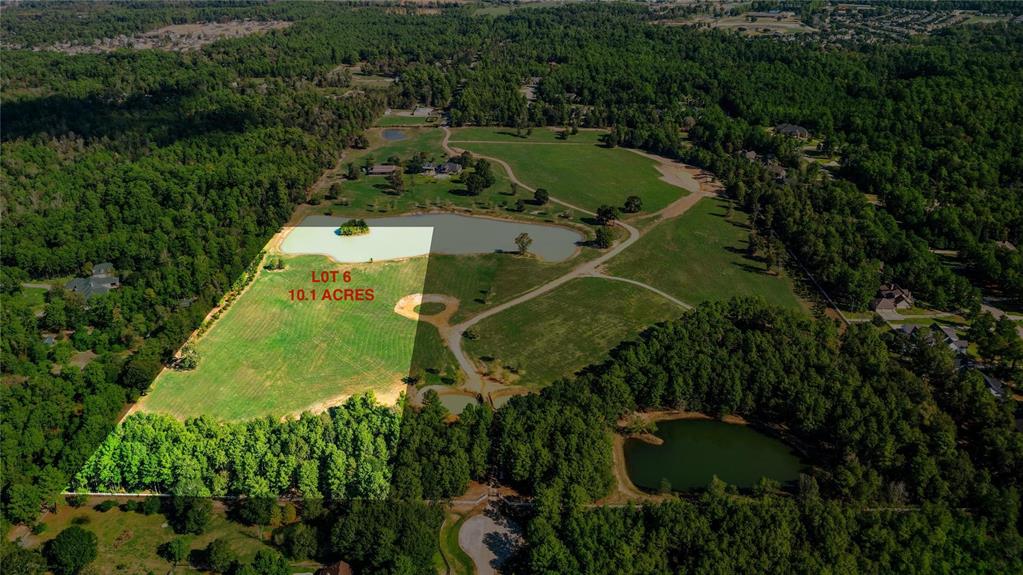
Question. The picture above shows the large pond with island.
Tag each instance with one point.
(421, 234)
(693, 451)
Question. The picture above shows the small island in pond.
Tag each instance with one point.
(356, 227)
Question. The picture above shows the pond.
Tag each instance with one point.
(417, 235)
(393, 135)
(695, 450)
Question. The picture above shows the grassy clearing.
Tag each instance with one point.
(128, 541)
(269, 355)
(539, 135)
(34, 298)
(460, 563)
(565, 330)
(369, 196)
(485, 280)
(701, 256)
(388, 121)
(584, 174)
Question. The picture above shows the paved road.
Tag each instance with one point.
(489, 539)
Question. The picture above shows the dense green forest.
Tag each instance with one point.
(889, 424)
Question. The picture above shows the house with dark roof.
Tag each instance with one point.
(449, 168)
(891, 296)
(792, 130)
(995, 386)
(102, 281)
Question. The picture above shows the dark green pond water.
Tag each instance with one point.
(696, 450)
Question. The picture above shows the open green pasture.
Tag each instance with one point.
(569, 328)
(701, 256)
(577, 170)
(269, 355)
(372, 195)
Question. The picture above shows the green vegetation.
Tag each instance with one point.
(388, 121)
(460, 562)
(356, 227)
(896, 451)
(430, 308)
(128, 542)
(270, 354)
(703, 256)
(352, 445)
(586, 175)
(564, 330)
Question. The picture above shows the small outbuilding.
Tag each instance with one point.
(381, 170)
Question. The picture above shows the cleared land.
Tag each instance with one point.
(576, 170)
(372, 195)
(701, 256)
(565, 330)
(269, 355)
(128, 541)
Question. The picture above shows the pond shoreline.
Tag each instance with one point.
(626, 485)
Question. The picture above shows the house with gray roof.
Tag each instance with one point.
(100, 282)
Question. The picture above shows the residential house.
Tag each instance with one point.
(793, 131)
(428, 168)
(996, 386)
(101, 281)
(449, 168)
(339, 568)
(891, 297)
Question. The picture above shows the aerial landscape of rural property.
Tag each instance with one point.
(515, 286)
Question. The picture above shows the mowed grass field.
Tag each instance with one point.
(372, 196)
(578, 170)
(268, 355)
(569, 328)
(701, 256)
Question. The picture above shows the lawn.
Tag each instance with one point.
(128, 541)
(576, 170)
(701, 256)
(269, 355)
(395, 120)
(459, 561)
(569, 328)
(370, 196)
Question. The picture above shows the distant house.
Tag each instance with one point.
(103, 269)
(890, 297)
(428, 168)
(339, 568)
(1006, 245)
(941, 335)
(777, 170)
(422, 112)
(995, 386)
(101, 281)
(49, 338)
(792, 130)
(449, 168)
(950, 338)
(381, 170)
